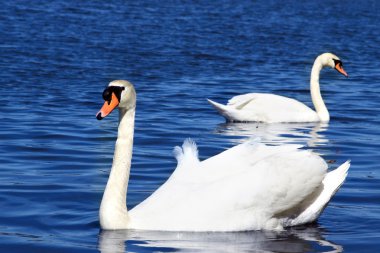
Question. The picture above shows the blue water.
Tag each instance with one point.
(57, 57)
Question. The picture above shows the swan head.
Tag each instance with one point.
(333, 61)
(119, 93)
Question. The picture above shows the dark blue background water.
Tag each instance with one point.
(57, 56)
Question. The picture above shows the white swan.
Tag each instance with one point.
(270, 108)
(248, 187)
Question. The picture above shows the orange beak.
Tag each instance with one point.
(340, 69)
(108, 107)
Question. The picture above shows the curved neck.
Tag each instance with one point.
(113, 209)
(315, 91)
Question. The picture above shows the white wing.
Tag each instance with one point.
(242, 188)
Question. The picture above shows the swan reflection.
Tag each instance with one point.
(305, 239)
(308, 134)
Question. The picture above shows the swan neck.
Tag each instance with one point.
(315, 91)
(113, 212)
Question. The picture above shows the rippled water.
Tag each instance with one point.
(57, 56)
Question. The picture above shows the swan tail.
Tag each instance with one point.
(334, 179)
(223, 110)
(219, 107)
(331, 184)
(187, 153)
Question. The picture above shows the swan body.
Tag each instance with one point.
(271, 108)
(248, 187)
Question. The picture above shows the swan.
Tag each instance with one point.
(270, 108)
(248, 187)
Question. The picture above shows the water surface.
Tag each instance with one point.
(57, 57)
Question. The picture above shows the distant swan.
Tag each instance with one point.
(248, 187)
(270, 108)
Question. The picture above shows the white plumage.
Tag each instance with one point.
(248, 187)
(271, 108)
(263, 107)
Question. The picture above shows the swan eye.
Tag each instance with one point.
(107, 93)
